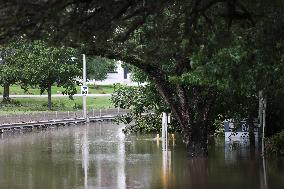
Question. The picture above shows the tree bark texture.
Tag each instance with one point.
(6, 92)
(251, 131)
(49, 97)
(191, 109)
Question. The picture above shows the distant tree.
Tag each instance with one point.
(53, 65)
(98, 67)
(10, 70)
(41, 65)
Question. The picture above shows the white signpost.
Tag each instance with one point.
(84, 89)
(165, 131)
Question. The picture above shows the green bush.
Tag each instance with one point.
(274, 145)
(143, 124)
(10, 103)
(77, 106)
(145, 108)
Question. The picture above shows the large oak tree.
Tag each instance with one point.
(159, 37)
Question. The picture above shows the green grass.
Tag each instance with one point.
(30, 105)
(98, 89)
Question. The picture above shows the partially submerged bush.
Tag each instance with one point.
(274, 145)
(143, 124)
(145, 108)
(148, 123)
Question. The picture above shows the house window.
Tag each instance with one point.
(126, 71)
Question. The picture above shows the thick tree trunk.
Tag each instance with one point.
(251, 131)
(197, 140)
(191, 110)
(6, 93)
(49, 97)
(186, 103)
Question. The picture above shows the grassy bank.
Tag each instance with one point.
(98, 89)
(29, 105)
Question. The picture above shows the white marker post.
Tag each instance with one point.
(84, 89)
(164, 132)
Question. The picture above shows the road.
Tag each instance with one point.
(56, 95)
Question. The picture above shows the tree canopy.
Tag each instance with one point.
(192, 50)
(37, 64)
(98, 67)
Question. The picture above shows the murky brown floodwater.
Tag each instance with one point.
(101, 156)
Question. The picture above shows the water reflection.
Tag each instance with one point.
(85, 156)
(99, 150)
(167, 177)
(121, 178)
(119, 159)
(167, 174)
(101, 156)
(263, 178)
(236, 151)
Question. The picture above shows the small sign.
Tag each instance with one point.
(84, 90)
(169, 118)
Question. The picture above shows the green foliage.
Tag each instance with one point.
(141, 99)
(145, 107)
(274, 146)
(10, 70)
(147, 123)
(52, 65)
(218, 126)
(202, 56)
(37, 64)
(138, 75)
(98, 67)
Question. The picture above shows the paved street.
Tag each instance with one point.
(55, 95)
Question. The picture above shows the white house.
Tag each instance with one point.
(120, 75)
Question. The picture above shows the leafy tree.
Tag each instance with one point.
(174, 43)
(53, 65)
(43, 65)
(10, 70)
(98, 67)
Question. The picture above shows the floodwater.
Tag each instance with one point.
(99, 155)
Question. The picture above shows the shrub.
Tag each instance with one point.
(77, 106)
(275, 145)
(145, 108)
